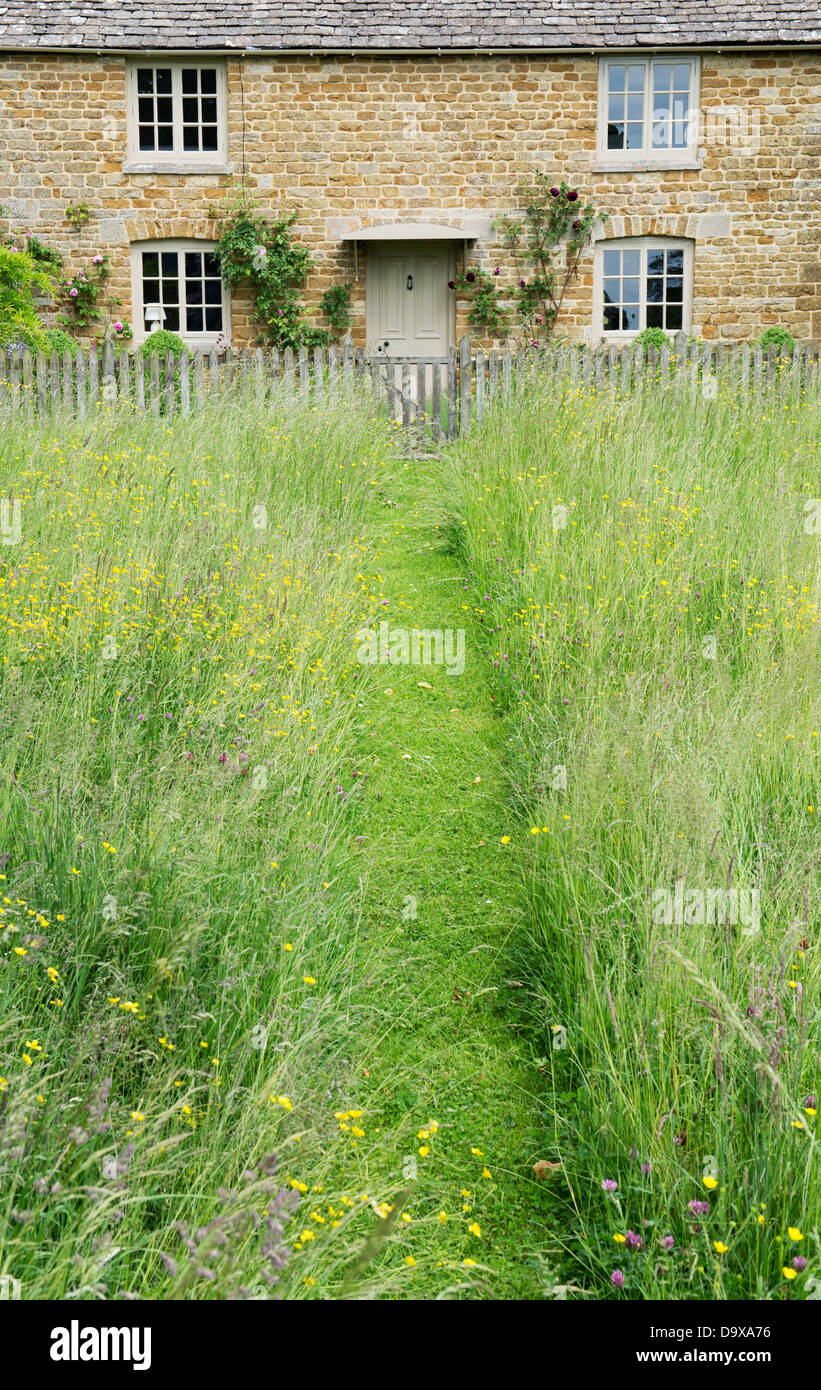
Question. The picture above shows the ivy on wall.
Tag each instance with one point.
(262, 254)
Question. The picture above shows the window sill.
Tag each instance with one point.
(154, 168)
(642, 166)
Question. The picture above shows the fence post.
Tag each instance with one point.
(347, 362)
(304, 383)
(464, 384)
(407, 393)
(480, 386)
(319, 373)
(81, 385)
(436, 401)
(139, 380)
(185, 384)
(199, 382)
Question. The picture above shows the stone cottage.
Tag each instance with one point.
(399, 137)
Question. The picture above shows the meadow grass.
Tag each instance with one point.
(254, 900)
(176, 914)
(644, 578)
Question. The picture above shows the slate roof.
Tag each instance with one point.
(334, 25)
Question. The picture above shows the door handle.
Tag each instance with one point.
(410, 282)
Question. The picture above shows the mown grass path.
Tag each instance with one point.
(440, 901)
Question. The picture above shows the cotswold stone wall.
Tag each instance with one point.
(352, 141)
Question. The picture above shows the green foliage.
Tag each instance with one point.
(261, 253)
(777, 337)
(81, 294)
(547, 241)
(653, 337)
(44, 255)
(78, 214)
(57, 340)
(22, 279)
(488, 311)
(336, 306)
(162, 341)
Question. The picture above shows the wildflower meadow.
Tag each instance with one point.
(408, 883)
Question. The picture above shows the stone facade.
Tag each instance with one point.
(353, 141)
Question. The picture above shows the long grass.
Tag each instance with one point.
(646, 574)
(178, 928)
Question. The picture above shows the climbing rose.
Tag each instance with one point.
(118, 328)
(554, 192)
(470, 277)
(451, 284)
(572, 196)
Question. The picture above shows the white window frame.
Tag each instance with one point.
(643, 244)
(203, 341)
(649, 156)
(178, 159)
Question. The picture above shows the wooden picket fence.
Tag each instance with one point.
(439, 397)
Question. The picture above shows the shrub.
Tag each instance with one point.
(778, 337)
(22, 278)
(57, 340)
(163, 340)
(653, 337)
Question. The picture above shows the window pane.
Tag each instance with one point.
(208, 80)
(165, 137)
(151, 263)
(616, 72)
(213, 320)
(611, 292)
(172, 320)
(190, 137)
(635, 78)
(631, 261)
(675, 291)
(145, 80)
(164, 81)
(655, 316)
(615, 137)
(146, 137)
(655, 262)
(611, 318)
(209, 110)
(615, 108)
(681, 77)
(612, 262)
(630, 291)
(634, 137)
(661, 135)
(193, 320)
(675, 316)
(193, 265)
(190, 110)
(213, 291)
(164, 110)
(209, 137)
(661, 105)
(675, 262)
(189, 80)
(145, 109)
(151, 291)
(212, 263)
(635, 106)
(170, 291)
(170, 264)
(655, 291)
(193, 291)
(630, 318)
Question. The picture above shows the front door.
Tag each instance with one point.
(409, 305)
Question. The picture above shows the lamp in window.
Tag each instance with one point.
(154, 317)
